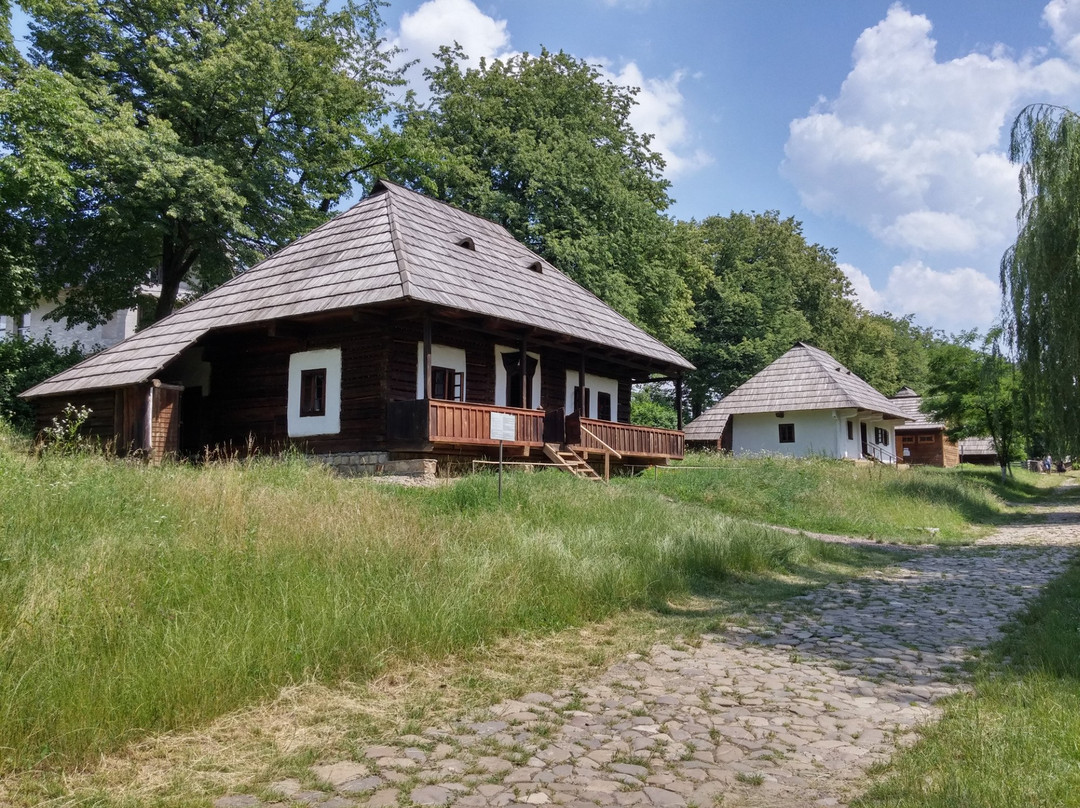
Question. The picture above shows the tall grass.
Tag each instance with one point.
(1016, 739)
(831, 496)
(136, 600)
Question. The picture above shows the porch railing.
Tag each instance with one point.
(416, 423)
(881, 454)
(626, 439)
(454, 422)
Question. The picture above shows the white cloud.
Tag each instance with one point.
(1063, 17)
(912, 148)
(444, 22)
(951, 300)
(659, 112)
(862, 289)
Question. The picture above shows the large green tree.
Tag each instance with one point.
(543, 145)
(1040, 273)
(975, 391)
(768, 289)
(175, 140)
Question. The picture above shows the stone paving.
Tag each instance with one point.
(788, 711)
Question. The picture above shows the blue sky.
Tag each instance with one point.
(881, 126)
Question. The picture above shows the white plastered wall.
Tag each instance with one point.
(330, 423)
(442, 356)
(118, 328)
(596, 384)
(500, 377)
(759, 433)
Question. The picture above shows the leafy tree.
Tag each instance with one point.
(23, 363)
(977, 393)
(178, 140)
(1040, 273)
(652, 405)
(768, 289)
(888, 352)
(543, 145)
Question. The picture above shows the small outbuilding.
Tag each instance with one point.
(805, 403)
(921, 441)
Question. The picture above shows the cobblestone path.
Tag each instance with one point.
(790, 711)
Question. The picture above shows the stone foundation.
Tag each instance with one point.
(364, 464)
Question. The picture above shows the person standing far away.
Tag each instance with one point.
(1048, 463)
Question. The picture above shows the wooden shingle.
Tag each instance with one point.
(804, 378)
(394, 245)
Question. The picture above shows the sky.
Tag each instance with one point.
(882, 126)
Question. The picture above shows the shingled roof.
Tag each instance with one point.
(908, 401)
(393, 245)
(804, 378)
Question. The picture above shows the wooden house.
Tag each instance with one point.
(397, 328)
(922, 442)
(979, 451)
(805, 403)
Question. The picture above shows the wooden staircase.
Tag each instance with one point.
(569, 460)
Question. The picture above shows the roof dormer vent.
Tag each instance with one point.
(466, 242)
(536, 266)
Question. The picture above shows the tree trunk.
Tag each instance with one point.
(176, 260)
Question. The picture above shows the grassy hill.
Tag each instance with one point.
(136, 600)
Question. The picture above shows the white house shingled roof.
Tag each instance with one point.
(909, 402)
(393, 245)
(804, 378)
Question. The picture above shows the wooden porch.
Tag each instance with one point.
(435, 424)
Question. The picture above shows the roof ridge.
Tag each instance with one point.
(399, 247)
(819, 356)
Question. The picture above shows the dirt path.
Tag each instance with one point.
(787, 712)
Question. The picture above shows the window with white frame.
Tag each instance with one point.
(597, 389)
(314, 393)
(508, 378)
(447, 372)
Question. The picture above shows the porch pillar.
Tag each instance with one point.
(583, 405)
(678, 402)
(427, 357)
(523, 368)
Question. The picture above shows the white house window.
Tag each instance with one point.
(314, 393)
(598, 389)
(508, 378)
(787, 433)
(881, 436)
(447, 372)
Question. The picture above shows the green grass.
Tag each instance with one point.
(137, 600)
(832, 496)
(1016, 739)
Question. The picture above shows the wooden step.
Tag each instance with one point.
(569, 461)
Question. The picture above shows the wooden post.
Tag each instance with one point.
(523, 367)
(678, 402)
(583, 405)
(607, 466)
(427, 357)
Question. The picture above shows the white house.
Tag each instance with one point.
(35, 324)
(805, 403)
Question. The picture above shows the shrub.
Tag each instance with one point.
(23, 363)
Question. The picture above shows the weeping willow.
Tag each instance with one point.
(1040, 273)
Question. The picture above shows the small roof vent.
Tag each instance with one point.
(466, 242)
(536, 266)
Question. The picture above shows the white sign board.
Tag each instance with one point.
(503, 426)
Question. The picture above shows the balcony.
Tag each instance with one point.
(452, 423)
(435, 424)
(632, 442)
